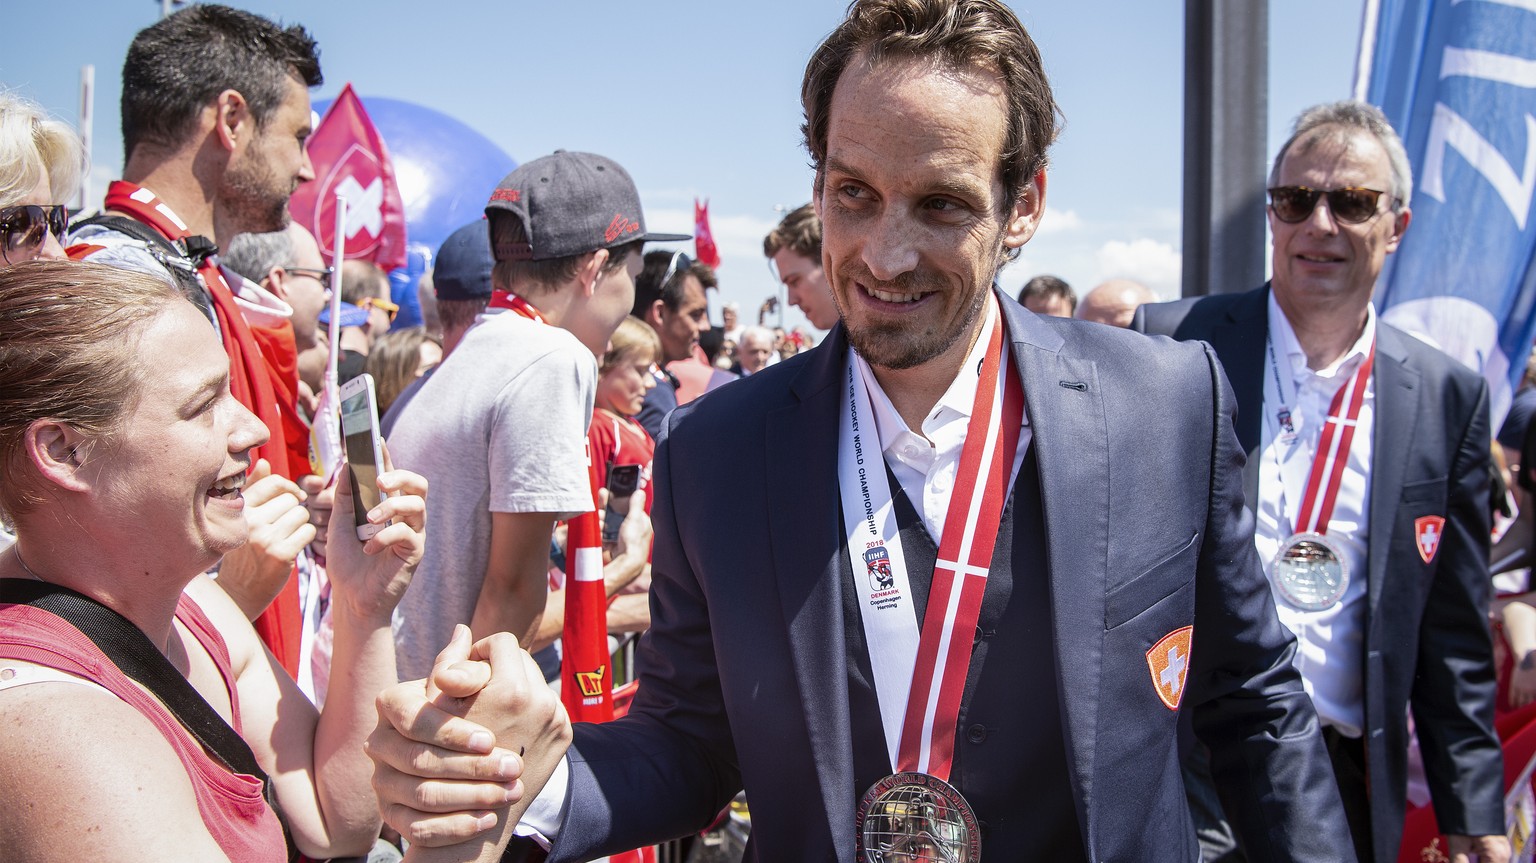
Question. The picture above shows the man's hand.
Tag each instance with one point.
(442, 779)
(279, 525)
(1483, 849)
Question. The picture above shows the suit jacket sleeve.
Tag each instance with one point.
(1267, 755)
(1453, 691)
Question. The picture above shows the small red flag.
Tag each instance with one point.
(350, 158)
(703, 240)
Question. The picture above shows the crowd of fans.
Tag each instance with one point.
(161, 367)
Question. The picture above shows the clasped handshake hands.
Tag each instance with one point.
(460, 755)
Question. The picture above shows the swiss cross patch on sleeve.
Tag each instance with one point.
(1168, 660)
(1426, 535)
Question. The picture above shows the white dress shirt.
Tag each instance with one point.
(1330, 642)
(925, 464)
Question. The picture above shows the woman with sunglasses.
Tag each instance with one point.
(40, 166)
(124, 474)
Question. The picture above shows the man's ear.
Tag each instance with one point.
(1024, 216)
(277, 282)
(816, 193)
(590, 270)
(233, 122)
(58, 451)
(653, 315)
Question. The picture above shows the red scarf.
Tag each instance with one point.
(253, 380)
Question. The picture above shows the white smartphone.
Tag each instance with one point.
(360, 430)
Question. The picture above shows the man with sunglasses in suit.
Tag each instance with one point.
(1368, 469)
(670, 297)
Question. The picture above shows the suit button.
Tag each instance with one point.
(976, 733)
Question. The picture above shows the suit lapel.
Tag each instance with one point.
(1239, 340)
(1066, 415)
(1396, 415)
(807, 554)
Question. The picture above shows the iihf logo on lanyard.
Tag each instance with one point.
(878, 561)
(1287, 425)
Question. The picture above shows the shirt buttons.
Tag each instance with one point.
(976, 733)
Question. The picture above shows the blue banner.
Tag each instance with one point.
(1457, 78)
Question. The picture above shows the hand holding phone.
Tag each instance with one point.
(623, 481)
(360, 432)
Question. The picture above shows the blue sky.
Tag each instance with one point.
(701, 98)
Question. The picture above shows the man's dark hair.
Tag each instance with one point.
(800, 232)
(648, 286)
(957, 34)
(532, 278)
(177, 66)
(1046, 287)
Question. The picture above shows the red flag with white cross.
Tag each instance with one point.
(350, 158)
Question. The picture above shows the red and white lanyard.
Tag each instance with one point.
(507, 300)
(1332, 454)
(146, 207)
(920, 674)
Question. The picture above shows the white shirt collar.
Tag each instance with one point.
(956, 403)
(1284, 336)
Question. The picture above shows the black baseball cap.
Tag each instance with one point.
(571, 204)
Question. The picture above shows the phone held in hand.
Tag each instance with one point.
(360, 431)
(623, 481)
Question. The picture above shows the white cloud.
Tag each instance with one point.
(1154, 264)
(1059, 221)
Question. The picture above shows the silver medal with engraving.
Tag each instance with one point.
(914, 816)
(1310, 572)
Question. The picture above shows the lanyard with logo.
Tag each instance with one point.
(507, 300)
(920, 675)
(1310, 571)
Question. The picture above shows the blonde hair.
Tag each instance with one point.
(631, 338)
(30, 143)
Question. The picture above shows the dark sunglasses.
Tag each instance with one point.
(321, 276)
(23, 229)
(1350, 205)
(680, 263)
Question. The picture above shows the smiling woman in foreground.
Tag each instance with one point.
(123, 455)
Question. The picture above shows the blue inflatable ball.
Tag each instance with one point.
(446, 171)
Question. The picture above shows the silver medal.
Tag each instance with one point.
(1310, 572)
(914, 816)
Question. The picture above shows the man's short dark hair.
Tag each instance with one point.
(648, 287)
(177, 66)
(536, 277)
(957, 34)
(1046, 287)
(800, 232)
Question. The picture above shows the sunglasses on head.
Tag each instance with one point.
(321, 276)
(23, 229)
(382, 304)
(680, 263)
(1350, 205)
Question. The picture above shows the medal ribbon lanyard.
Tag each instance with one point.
(1334, 441)
(501, 299)
(920, 677)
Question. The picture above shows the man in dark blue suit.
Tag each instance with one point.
(825, 631)
(1403, 624)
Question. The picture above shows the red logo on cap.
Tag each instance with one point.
(511, 196)
(620, 226)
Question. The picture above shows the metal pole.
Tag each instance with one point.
(87, 116)
(1226, 58)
